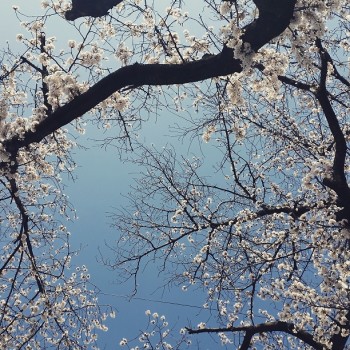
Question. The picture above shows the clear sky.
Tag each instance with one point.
(102, 179)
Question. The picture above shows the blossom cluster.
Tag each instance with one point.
(265, 238)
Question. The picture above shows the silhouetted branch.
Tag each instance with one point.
(92, 8)
(257, 34)
(338, 181)
(250, 331)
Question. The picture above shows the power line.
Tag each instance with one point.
(158, 301)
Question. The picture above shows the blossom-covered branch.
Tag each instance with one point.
(83, 8)
(254, 217)
(250, 331)
(255, 35)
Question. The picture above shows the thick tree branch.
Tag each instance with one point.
(338, 181)
(274, 17)
(337, 340)
(257, 34)
(129, 76)
(93, 8)
(267, 327)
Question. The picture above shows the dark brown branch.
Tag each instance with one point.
(92, 8)
(250, 331)
(9, 72)
(335, 72)
(322, 96)
(337, 182)
(269, 25)
(295, 83)
(130, 76)
(337, 340)
(44, 73)
(294, 212)
(24, 231)
(24, 60)
(273, 17)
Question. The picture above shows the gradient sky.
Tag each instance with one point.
(96, 193)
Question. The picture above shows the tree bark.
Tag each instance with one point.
(92, 8)
(257, 34)
(268, 327)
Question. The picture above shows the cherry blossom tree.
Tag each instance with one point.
(263, 82)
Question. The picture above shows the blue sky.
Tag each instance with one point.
(101, 181)
(95, 194)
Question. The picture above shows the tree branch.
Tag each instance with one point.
(338, 181)
(337, 339)
(92, 8)
(250, 331)
(257, 34)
